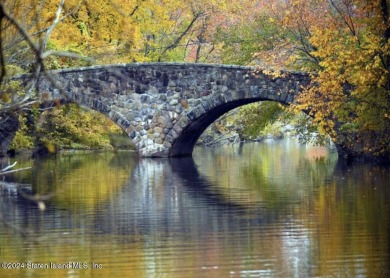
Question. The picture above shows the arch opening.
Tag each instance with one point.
(69, 126)
(306, 132)
(185, 143)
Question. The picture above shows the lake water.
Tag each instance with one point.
(275, 209)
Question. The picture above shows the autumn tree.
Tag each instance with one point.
(345, 44)
(23, 42)
(53, 34)
(118, 31)
(350, 96)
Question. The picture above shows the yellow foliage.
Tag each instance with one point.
(351, 90)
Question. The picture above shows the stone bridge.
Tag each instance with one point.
(165, 107)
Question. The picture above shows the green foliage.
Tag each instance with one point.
(24, 139)
(252, 42)
(350, 100)
(238, 45)
(307, 132)
(253, 118)
(11, 94)
(73, 127)
(53, 62)
(68, 127)
(12, 70)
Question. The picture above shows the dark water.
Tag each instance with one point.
(257, 210)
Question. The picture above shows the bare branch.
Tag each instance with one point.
(40, 54)
(19, 105)
(135, 8)
(2, 60)
(349, 21)
(180, 37)
(52, 26)
(8, 167)
(13, 171)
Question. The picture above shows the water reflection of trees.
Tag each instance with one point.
(219, 215)
(82, 181)
(267, 173)
(352, 214)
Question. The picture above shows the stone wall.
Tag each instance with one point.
(165, 107)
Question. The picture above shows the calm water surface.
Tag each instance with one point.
(275, 209)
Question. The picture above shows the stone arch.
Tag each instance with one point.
(163, 106)
(184, 142)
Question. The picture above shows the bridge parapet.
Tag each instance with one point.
(165, 107)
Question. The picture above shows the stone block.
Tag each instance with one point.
(143, 132)
(177, 128)
(145, 98)
(179, 109)
(173, 102)
(137, 105)
(167, 144)
(206, 105)
(290, 98)
(254, 91)
(158, 129)
(228, 96)
(132, 134)
(191, 115)
(140, 145)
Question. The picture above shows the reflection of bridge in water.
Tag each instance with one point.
(170, 216)
(158, 194)
(167, 194)
(173, 196)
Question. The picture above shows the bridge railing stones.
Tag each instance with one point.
(164, 107)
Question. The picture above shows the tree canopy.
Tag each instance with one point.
(349, 42)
